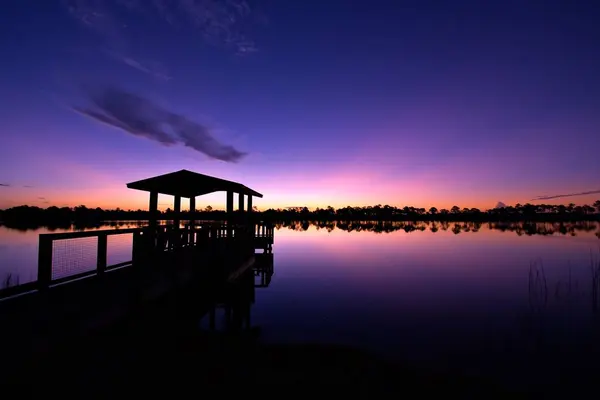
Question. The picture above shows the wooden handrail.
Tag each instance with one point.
(75, 235)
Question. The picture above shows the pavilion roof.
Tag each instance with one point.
(186, 183)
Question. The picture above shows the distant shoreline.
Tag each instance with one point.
(26, 216)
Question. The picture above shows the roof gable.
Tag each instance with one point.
(186, 183)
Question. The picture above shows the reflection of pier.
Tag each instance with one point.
(83, 283)
(263, 270)
(231, 309)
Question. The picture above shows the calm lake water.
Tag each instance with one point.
(474, 295)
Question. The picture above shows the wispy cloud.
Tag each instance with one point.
(4, 184)
(27, 186)
(557, 196)
(41, 198)
(141, 117)
(149, 67)
(221, 23)
(218, 23)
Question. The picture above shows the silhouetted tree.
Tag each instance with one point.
(54, 216)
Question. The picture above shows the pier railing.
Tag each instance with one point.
(74, 255)
(69, 256)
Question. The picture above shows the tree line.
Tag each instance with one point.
(391, 213)
(25, 215)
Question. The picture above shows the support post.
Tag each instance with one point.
(44, 262)
(101, 257)
(229, 214)
(241, 202)
(229, 203)
(136, 249)
(153, 219)
(177, 207)
(192, 206)
(250, 203)
(153, 208)
(192, 222)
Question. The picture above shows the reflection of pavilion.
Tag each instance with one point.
(231, 309)
(263, 270)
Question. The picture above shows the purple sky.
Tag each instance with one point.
(311, 103)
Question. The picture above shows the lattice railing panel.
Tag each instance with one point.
(73, 256)
(119, 248)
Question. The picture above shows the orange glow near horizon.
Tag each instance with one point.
(321, 195)
(337, 187)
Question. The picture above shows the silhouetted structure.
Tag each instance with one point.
(189, 184)
(164, 258)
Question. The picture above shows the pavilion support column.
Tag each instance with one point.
(192, 204)
(192, 223)
(177, 206)
(229, 214)
(152, 220)
(242, 217)
(229, 203)
(153, 208)
(249, 219)
(241, 202)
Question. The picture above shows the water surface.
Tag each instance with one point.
(474, 295)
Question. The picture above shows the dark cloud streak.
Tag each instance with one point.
(4, 184)
(141, 117)
(557, 196)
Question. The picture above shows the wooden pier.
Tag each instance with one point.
(79, 290)
(91, 279)
(72, 256)
(67, 257)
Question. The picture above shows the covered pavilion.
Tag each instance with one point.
(190, 184)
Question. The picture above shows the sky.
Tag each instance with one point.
(312, 103)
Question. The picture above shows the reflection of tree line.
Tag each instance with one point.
(76, 226)
(520, 228)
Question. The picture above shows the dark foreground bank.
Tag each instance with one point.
(159, 349)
